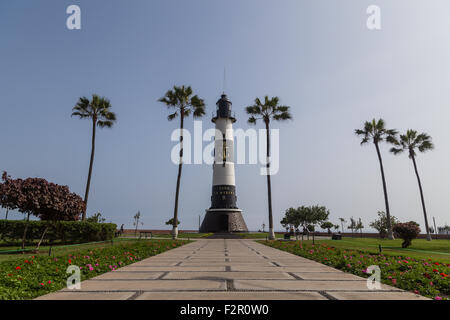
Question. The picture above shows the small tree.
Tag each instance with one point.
(360, 226)
(291, 219)
(285, 223)
(170, 222)
(381, 224)
(36, 196)
(59, 205)
(96, 218)
(9, 193)
(327, 225)
(136, 218)
(342, 220)
(352, 225)
(407, 231)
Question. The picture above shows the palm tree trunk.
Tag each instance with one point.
(91, 163)
(180, 167)
(7, 210)
(386, 201)
(422, 198)
(269, 188)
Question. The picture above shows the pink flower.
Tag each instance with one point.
(394, 281)
(437, 298)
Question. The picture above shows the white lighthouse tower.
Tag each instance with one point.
(223, 215)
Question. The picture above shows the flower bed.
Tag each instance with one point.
(425, 277)
(39, 275)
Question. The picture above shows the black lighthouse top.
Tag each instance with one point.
(223, 108)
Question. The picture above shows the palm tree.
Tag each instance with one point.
(98, 110)
(376, 132)
(267, 111)
(342, 223)
(184, 103)
(410, 142)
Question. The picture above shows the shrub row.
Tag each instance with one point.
(62, 231)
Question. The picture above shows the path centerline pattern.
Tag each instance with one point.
(227, 269)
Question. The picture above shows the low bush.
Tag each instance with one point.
(61, 231)
(406, 231)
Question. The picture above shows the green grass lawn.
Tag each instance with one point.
(56, 250)
(29, 276)
(181, 235)
(185, 235)
(258, 235)
(420, 249)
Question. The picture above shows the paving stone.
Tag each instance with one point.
(272, 268)
(327, 276)
(149, 285)
(174, 268)
(304, 285)
(228, 275)
(158, 263)
(225, 263)
(130, 275)
(231, 296)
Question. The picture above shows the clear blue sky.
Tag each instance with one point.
(317, 56)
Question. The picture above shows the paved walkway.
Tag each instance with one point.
(225, 270)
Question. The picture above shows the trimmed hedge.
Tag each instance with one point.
(62, 231)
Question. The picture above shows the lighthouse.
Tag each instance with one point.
(223, 215)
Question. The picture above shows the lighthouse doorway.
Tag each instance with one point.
(223, 223)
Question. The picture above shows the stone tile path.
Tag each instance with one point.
(225, 269)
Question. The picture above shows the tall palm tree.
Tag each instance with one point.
(267, 111)
(410, 142)
(375, 131)
(98, 110)
(184, 103)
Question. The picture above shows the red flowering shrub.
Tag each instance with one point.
(406, 231)
(38, 197)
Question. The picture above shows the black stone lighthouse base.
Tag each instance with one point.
(223, 220)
